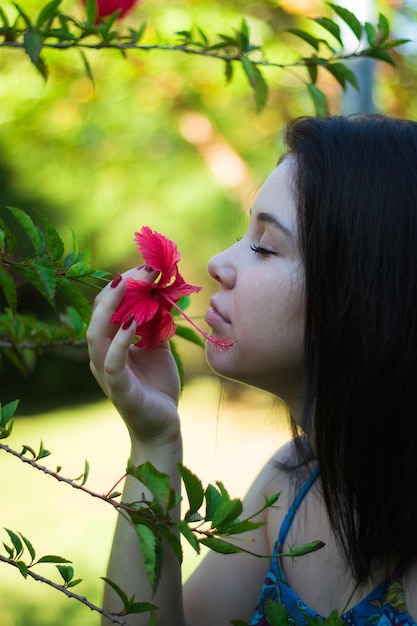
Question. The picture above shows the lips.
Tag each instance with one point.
(214, 315)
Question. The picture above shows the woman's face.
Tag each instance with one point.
(259, 304)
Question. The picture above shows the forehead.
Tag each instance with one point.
(276, 196)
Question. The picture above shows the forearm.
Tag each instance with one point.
(126, 567)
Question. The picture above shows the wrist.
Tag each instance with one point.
(163, 452)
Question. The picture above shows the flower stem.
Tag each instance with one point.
(223, 343)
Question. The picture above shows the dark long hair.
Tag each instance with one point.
(356, 187)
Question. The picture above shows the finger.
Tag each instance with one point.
(116, 374)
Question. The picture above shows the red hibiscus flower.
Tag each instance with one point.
(151, 304)
(107, 7)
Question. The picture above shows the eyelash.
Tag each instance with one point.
(260, 250)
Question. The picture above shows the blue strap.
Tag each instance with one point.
(285, 526)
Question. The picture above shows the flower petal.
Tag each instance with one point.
(138, 300)
(158, 252)
(160, 328)
(179, 288)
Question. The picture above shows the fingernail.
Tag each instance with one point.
(128, 321)
(148, 268)
(116, 281)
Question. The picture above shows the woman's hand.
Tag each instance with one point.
(143, 384)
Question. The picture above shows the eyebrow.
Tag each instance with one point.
(267, 218)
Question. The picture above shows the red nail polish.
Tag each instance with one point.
(116, 281)
(128, 321)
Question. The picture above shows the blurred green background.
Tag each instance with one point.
(161, 140)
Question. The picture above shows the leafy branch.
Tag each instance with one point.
(54, 29)
(48, 269)
(212, 519)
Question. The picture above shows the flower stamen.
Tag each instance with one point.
(222, 343)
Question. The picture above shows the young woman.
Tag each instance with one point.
(320, 300)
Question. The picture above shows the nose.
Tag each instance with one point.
(222, 268)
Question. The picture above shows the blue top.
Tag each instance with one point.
(384, 606)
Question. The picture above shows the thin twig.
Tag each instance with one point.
(70, 594)
(176, 48)
(62, 479)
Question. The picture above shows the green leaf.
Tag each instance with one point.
(172, 540)
(74, 582)
(16, 541)
(306, 548)
(312, 68)
(28, 226)
(371, 34)
(53, 242)
(219, 545)
(307, 37)
(4, 19)
(256, 81)
(42, 452)
(76, 298)
(151, 553)
(47, 275)
(243, 527)
(29, 546)
(5, 431)
(79, 269)
(9, 238)
(378, 53)
(31, 273)
(188, 534)
(276, 613)
(87, 67)
(52, 558)
(84, 476)
(394, 43)
(213, 500)
(319, 100)
(9, 288)
(141, 607)
(137, 35)
(342, 74)
(228, 71)
(330, 26)
(23, 15)
(76, 251)
(33, 44)
(9, 550)
(226, 513)
(7, 412)
(242, 37)
(117, 589)
(47, 13)
(349, 18)
(193, 488)
(189, 334)
(159, 485)
(383, 28)
(66, 571)
(92, 11)
(23, 568)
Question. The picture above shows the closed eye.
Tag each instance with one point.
(260, 250)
